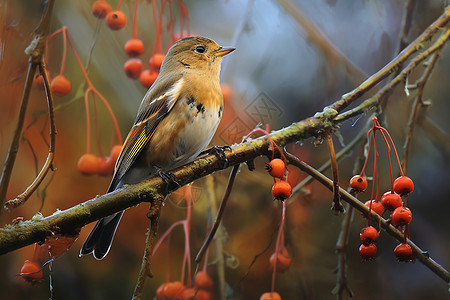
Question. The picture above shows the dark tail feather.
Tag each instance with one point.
(101, 237)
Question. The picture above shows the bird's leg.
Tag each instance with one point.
(167, 177)
(219, 152)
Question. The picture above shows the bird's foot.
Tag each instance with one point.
(219, 152)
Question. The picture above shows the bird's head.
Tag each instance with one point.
(197, 53)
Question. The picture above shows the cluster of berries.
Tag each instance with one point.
(281, 189)
(90, 164)
(176, 290)
(115, 19)
(391, 200)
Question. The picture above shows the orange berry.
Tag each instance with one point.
(188, 294)
(100, 9)
(115, 153)
(391, 201)
(147, 78)
(282, 260)
(88, 164)
(403, 252)
(105, 168)
(173, 289)
(403, 185)
(160, 291)
(376, 206)
(227, 92)
(31, 271)
(60, 86)
(281, 190)
(270, 296)
(202, 295)
(358, 183)
(276, 167)
(367, 252)
(156, 61)
(401, 216)
(369, 235)
(116, 19)
(133, 68)
(203, 281)
(38, 80)
(134, 47)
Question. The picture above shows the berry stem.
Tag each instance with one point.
(368, 152)
(63, 60)
(388, 149)
(395, 150)
(279, 243)
(88, 121)
(97, 138)
(135, 23)
(118, 5)
(92, 88)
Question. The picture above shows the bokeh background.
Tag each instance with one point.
(278, 75)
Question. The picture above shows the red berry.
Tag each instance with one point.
(369, 235)
(148, 77)
(100, 9)
(368, 251)
(203, 281)
(403, 185)
(281, 190)
(401, 216)
(38, 80)
(202, 295)
(276, 167)
(116, 19)
(114, 154)
(376, 206)
(270, 296)
(282, 260)
(60, 86)
(391, 200)
(187, 294)
(358, 183)
(156, 61)
(133, 68)
(134, 47)
(88, 164)
(227, 92)
(403, 252)
(31, 271)
(105, 168)
(173, 289)
(160, 291)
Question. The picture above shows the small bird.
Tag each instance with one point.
(177, 119)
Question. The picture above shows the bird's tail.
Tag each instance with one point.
(100, 239)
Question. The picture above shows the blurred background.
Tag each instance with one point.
(278, 75)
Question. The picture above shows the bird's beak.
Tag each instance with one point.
(223, 51)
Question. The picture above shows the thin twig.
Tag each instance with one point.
(153, 215)
(414, 109)
(337, 205)
(342, 242)
(373, 80)
(298, 188)
(218, 243)
(374, 100)
(36, 51)
(22, 198)
(218, 219)
(421, 255)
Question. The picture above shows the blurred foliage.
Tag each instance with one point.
(278, 76)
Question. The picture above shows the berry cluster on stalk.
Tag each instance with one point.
(393, 200)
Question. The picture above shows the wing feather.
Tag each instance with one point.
(155, 106)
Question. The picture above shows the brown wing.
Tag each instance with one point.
(156, 104)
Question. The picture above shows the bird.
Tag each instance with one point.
(176, 121)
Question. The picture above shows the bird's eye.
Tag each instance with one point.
(200, 49)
